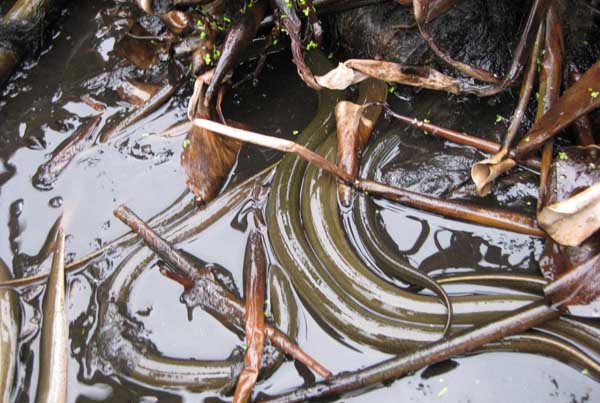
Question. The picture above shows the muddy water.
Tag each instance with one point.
(42, 106)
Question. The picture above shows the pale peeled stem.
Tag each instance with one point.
(485, 172)
(572, 221)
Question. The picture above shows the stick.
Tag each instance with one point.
(531, 315)
(495, 217)
(219, 302)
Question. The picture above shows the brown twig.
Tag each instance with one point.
(216, 300)
(531, 315)
(470, 140)
(485, 216)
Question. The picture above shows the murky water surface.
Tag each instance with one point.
(42, 106)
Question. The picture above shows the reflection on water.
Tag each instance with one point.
(42, 106)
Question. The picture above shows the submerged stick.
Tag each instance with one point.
(52, 386)
(470, 140)
(218, 301)
(465, 211)
(156, 101)
(509, 324)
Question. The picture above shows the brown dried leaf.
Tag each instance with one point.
(485, 172)
(207, 157)
(340, 78)
(255, 263)
(572, 221)
(574, 171)
(577, 100)
(176, 21)
(353, 132)
(356, 70)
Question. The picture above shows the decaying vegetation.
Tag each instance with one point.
(295, 237)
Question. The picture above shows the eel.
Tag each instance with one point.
(308, 240)
(9, 331)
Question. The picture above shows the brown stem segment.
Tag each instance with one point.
(531, 315)
(464, 211)
(217, 301)
(550, 79)
(480, 215)
(470, 140)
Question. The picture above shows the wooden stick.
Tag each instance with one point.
(216, 300)
(465, 211)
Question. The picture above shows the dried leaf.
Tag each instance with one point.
(176, 21)
(354, 123)
(206, 158)
(577, 100)
(485, 172)
(572, 221)
(255, 263)
(340, 78)
(356, 70)
(574, 171)
(135, 92)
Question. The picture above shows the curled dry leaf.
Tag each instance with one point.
(340, 78)
(574, 171)
(353, 132)
(485, 172)
(354, 123)
(356, 70)
(206, 157)
(135, 92)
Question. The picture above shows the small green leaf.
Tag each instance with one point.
(563, 156)
(499, 118)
